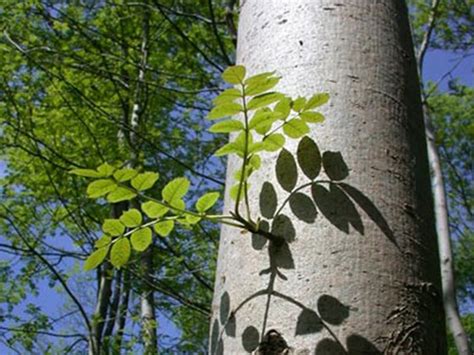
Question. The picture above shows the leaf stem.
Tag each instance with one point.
(298, 189)
(242, 181)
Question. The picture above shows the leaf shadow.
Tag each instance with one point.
(338, 209)
(335, 200)
(370, 209)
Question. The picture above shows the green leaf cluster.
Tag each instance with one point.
(131, 231)
(264, 119)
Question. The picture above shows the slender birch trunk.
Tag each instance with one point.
(360, 271)
(147, 300)
(453, 317)
(122, 313)
(103, 298)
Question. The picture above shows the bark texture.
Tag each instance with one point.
(360, 271)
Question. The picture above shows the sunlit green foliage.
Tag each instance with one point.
(263, 114)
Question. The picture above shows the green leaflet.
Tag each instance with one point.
(295, 128)
(316, 101)
(113, 227)
(103, 241)
(120, 194)
(298, 104)
(234, 74)
(131, 218)
(264, 100)
(255, 161)
(224, 110)
(229, 148)
(175, 190)
(86, 173)
(100, 187)
(312, 117)
(120, 252)
(206, 201)
(227, 126)
(153, 209)
(96, 258)
(227, 96)
(262, 118)
(259, 78)
(260, 86)
(141, 239)
(273, 142)
(283, 108)
(125, 174)
(263, 129)
(255, 147)
(191, 219)
(240, 141)
(178, 205)
(164, 228)
(144, 181)
(106, 169)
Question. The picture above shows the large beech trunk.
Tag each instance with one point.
(359, 273)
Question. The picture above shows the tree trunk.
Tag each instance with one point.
(453, 318)
(147, 300)
(359, 272)
(103, 297)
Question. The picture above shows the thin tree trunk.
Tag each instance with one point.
(122, 314)
(103, 298)
(113, 308)
(359, 273)
(100, 313)
(147, 301)
(147, 304)
(453, 317)
(444, 242)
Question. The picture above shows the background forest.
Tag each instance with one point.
(86, 82)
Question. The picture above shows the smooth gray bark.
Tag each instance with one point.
(363, 277)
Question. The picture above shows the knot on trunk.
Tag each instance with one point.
(273, 344)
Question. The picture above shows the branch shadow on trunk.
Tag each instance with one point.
(338, 203)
